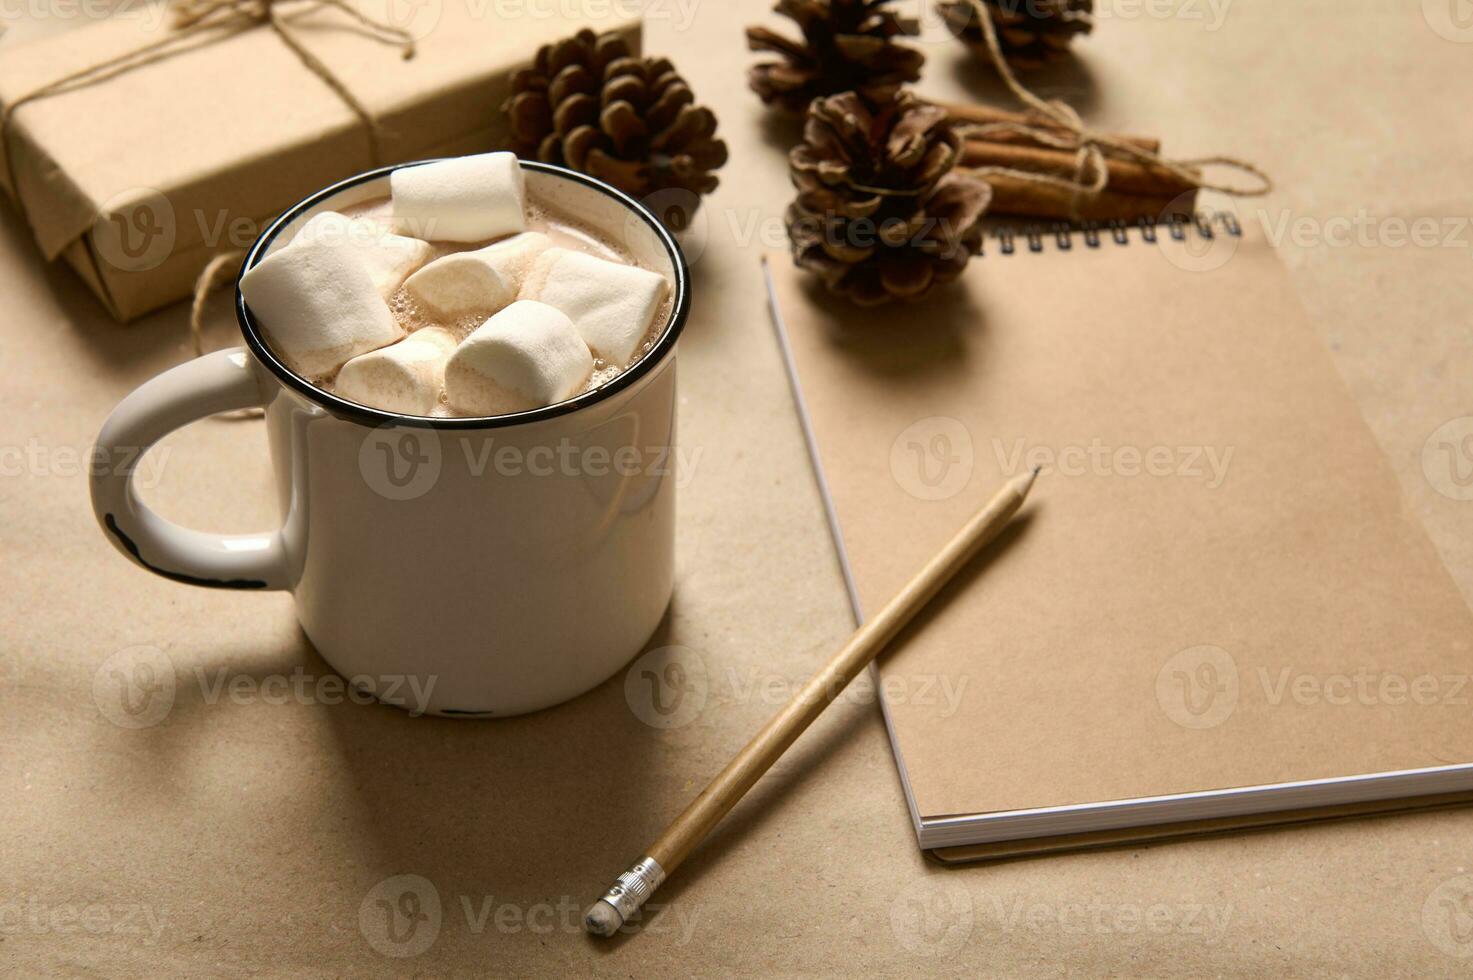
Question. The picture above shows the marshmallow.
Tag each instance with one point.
(611, 304)
(460, 283)
(512, 257)
(404, 378)
(389, 258)
(463, 199)
(483, 280)
(526, 356)
(318, 306)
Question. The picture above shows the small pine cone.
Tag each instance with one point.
(1030, 33)
(588, 104)
(847, 46)
(880, 214)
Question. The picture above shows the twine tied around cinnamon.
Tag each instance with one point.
(1065, 130)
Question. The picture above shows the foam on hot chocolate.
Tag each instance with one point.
(462, 296)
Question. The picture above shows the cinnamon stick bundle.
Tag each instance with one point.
(984, 115)
(1025, 198)
(1125, 175)
(1134, 189)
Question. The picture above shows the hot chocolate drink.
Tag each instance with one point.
(456, 296)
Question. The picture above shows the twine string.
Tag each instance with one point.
(216, 273)
(205, 21)
(1065, 130)
(211, 278)
(213, 20)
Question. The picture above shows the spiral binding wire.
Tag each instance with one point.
(1206, 224)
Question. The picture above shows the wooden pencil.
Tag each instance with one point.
(606, 916)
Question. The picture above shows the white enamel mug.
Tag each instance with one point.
(492, 565)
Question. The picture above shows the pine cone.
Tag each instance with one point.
(880, 214)
(588, 104)
(1030, 33)
(846, 47)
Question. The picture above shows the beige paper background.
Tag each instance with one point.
(258, 831)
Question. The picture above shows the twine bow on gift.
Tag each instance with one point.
(215, 20)
(1061, 128)
(190, 15)
(206, 21)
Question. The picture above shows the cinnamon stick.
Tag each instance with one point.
(985, 115)
(1125, 175)
(1024, 198)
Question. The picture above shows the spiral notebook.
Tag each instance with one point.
(1215, 612)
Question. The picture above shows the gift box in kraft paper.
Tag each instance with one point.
(140, 177)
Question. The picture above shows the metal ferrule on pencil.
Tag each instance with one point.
(634, 886)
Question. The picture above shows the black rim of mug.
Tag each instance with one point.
(355, 412)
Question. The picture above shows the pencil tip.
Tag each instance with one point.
(1026, 483)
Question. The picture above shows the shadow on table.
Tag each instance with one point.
(781, 131)
(521, 808)
(912, 342)
(1068, 79)
(112, 349)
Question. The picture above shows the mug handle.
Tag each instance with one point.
(217, 382)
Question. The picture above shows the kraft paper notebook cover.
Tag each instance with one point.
(1216, 608)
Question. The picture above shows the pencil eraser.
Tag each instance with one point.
(602, 919)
